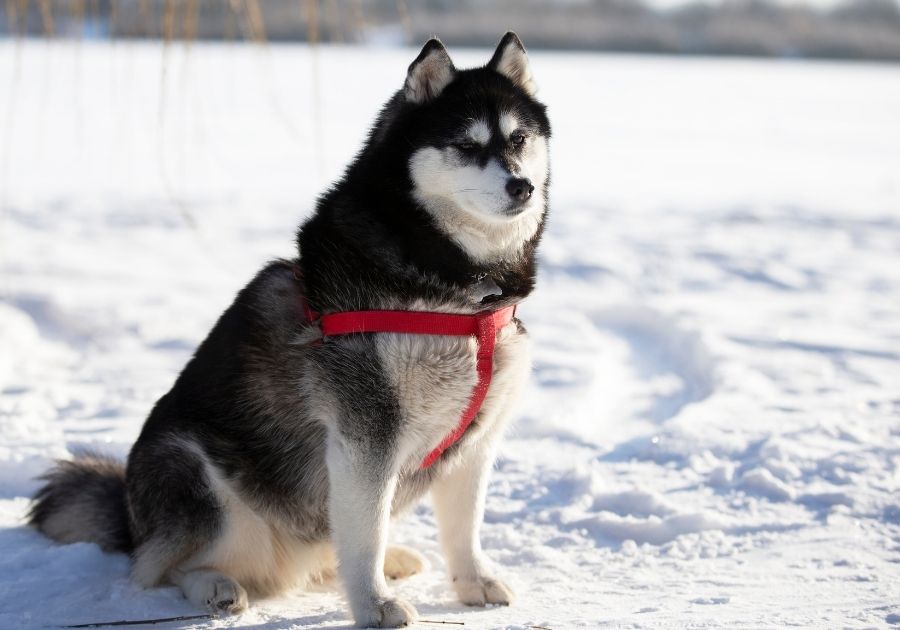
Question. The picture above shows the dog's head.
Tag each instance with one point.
(479, 160)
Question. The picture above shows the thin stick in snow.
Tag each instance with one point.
(139, 622)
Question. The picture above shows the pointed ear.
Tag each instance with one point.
(429, 74)
(511, 60)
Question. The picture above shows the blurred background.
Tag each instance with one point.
(712, 416)
(845, 29)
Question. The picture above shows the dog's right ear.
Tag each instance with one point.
(429, 74)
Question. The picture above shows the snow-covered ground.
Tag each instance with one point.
(711, 437)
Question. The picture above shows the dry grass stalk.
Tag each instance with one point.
(359, 18)
(76, 10)
(255, 21)
(191, 20)
(335, 24)
(405, 18)
(47, 18)
(113, 17)
(312, 21)
(169, 11)
(22, 10)
(312, 26)
(231, 25)
(169, 15)
(237, 10)
(144, 10)
(12, 16)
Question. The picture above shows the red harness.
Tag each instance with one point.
(483, 326)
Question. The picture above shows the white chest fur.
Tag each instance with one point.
(434, 377)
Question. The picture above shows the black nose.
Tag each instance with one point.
(519, 188)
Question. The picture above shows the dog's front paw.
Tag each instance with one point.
(482, 591)
(387, 613)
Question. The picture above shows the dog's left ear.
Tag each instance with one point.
(429, 74)
(511, 60)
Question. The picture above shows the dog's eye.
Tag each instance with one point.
(467, 146)
(518, 139)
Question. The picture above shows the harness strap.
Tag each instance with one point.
(487, 326)
(483, 326)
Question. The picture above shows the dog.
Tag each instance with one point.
(281, 452)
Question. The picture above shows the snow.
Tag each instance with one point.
(711, 436)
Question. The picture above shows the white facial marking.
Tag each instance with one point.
(535, 165)
(508, 124)
(470, 203)
(440, 175)
(480, 132)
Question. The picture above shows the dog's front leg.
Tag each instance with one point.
(361, 490)
(459, 504)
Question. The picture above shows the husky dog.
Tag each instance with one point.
(279, 457)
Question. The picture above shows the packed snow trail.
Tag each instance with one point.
(711, 435)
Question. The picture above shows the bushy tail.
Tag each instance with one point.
(83, 500)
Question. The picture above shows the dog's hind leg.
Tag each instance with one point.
(399, 562)
(402, 562)
(178, 516)
(208, 588)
